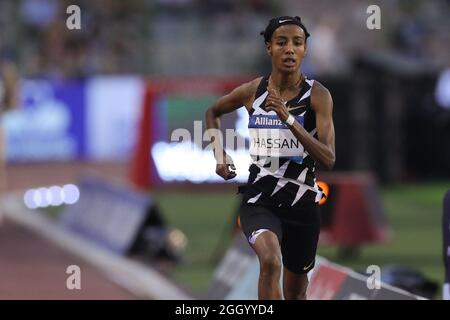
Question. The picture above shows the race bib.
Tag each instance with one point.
(270, 137)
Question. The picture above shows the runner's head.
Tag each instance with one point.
(285, 39)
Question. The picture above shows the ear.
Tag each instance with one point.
(269, 49)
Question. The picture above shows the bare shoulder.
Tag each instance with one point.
(319, 91)
(320, 96)
(248, 90)
(254, 84)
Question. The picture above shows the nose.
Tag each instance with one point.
(289, 47)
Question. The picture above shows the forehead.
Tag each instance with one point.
(289, 31)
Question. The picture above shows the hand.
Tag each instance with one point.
(275, 103)
(223, 168)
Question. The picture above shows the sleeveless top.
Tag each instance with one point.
(281, 171)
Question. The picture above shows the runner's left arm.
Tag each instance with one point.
(322, 150)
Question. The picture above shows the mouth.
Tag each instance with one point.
(289, 62)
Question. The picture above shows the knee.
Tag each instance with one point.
(270, 265)
(297, 291)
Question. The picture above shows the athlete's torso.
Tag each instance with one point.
(282, 172)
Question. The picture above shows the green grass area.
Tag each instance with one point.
(207, 220)
(414, 213)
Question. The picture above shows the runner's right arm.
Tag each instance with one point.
(240, 96)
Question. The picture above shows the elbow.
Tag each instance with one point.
(210, 113)
(329, 164)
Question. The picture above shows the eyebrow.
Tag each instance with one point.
(285, 37)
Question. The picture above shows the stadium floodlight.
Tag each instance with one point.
(52, 196)
(40, 198)
(28, 199)
(71, 193)
(54, 193)
(48, 197)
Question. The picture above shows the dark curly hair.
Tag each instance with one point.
(275, 23)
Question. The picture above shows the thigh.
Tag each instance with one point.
(299, 244)
(255, 220)
(267, 248)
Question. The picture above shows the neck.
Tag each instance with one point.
(286, 81)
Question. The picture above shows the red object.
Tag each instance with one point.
(357, 212)
(140, 172)
(325, 283)
(143, 172)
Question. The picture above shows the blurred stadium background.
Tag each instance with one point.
(97, 107)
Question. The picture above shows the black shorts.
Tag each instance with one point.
(297, 230)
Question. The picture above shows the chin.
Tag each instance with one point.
(289, 69)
